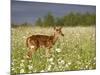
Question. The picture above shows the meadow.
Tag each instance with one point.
(75, 51)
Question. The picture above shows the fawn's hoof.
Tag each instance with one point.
(27, 57)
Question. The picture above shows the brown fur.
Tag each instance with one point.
(36, 41)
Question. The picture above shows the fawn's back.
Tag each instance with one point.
(40, 41)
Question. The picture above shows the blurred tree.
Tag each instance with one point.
(59, 21)
(48, 20)
(71, 19)
(39, 22)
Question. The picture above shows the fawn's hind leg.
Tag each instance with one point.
(47, 52)
(31, 51)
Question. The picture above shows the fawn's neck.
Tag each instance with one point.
(55, 38)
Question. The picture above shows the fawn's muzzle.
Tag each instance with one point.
(62, 34)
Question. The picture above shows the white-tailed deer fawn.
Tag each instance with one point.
(36, 41)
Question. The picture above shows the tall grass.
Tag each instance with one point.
(75, 51)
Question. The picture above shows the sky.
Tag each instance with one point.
(22, 11)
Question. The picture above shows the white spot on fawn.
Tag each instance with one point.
(32, 47)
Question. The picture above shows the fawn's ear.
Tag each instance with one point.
(60, 28)
(54, 28)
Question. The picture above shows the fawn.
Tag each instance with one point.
(36, 41)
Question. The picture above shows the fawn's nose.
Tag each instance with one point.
(62, 34)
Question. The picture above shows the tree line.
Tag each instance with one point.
(71, 19)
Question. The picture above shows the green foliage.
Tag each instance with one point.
(39, 22)
(71, 19)
(59, 21)
(48, 20)
(20, 25)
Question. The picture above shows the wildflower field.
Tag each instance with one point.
(75, 51)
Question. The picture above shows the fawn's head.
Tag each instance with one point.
(57, 31)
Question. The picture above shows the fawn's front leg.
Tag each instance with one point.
(29, 54)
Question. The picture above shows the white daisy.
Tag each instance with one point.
(49, 67)
(66, 65)
(22, 61)
(58, 50)
(30, 61)
(24, 37)
(30, 67)
(21, 65)
(62, 61)
(22, 71)
(69, 63)
(12, 69)
(42, 71)
(50, 60)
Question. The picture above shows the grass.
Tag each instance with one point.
(75, 51)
